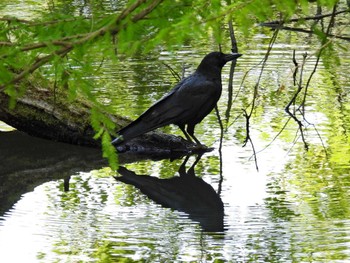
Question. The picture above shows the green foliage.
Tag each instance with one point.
(109, 151)
(64, 43)
(103, 126)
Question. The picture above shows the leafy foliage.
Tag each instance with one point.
(66, 39)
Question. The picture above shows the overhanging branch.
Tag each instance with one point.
(66, 46)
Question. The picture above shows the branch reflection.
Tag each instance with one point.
(187, 193)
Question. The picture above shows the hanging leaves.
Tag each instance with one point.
(62, 43)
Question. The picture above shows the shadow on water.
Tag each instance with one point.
(186, 193)
(27, 162)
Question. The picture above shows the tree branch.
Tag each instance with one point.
(146, 11)
(113, 28)
(37, 64)
(280, 24)
(292, 101)
(301, 107)
(302, 30)
(316, 17)
(232, 70)
(249, 139)
(324, 44)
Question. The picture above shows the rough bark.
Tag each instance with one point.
(45, 113)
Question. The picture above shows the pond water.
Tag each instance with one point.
(61, 203)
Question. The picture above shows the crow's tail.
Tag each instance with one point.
(160, 114)
(131, 131)
(136, 128)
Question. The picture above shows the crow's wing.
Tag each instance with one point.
(190, 99)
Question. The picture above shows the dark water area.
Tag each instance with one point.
(61, 203)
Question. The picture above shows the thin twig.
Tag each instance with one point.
(249, 139)
(324, 44)
(37, 64)
(220, 147)
(256, 87)
(232, 70)
(319, 136)
(173, 72)
(302, 30)
(239, 90)
(255, 96)
(292, 101)
(279, 25)
(316, 17)
(274, 138)
(296, 68)
(301, 107)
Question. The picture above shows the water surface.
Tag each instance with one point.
(60, 203)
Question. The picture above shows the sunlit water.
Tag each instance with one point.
(295, 208)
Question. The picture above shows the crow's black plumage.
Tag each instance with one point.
(193, 98)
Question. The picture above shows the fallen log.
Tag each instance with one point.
(48, 113)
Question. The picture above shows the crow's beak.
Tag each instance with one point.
(232, 56)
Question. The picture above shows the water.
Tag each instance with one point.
(60, 203)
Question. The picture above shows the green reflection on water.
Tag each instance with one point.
(5, 128)
(305, 214)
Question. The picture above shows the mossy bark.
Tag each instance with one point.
(46, 113)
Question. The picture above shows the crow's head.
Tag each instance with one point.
(217, 60)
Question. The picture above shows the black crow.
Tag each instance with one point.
(193, 98)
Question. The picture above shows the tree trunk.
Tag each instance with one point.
(39, 114)
(46, 113)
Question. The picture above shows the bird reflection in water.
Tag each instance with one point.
(186, 193)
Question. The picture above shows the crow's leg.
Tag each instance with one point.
(182, 128)
(190, 130)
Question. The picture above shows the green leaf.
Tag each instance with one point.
(109, 151)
